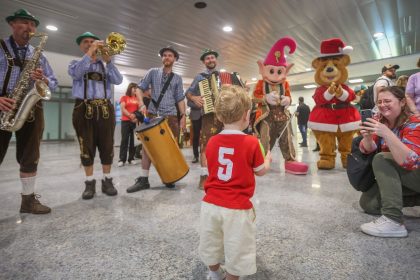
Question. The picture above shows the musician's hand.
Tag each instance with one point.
(37, 74)
(285, 101)
(6, 104)
(143, 110)
(183, 122)
(105, 55)
(197, 100)
(94, 48)
(272, 98)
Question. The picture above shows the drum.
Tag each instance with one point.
(162, 149)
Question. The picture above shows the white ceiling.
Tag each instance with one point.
(148, 25)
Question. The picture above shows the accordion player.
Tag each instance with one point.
(209, 88)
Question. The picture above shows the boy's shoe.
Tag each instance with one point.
(384, 227)
(132, 162)
(120, 163)
(217, 275)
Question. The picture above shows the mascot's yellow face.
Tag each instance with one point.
(331, 69)
(274, 75)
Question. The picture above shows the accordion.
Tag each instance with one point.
(210, 87)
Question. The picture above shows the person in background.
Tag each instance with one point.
(129, 105)
(402, 81)
(93, 113)
(227, 220)
(396, 167)
(15, 51)
(412, 92)
(302, 113)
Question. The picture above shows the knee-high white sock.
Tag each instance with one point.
(144, 173)
(28, 185)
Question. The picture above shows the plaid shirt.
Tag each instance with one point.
(43, 62)
(174, 93)
(95, 89)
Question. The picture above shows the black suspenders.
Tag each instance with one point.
(95, 76)
(10, 64)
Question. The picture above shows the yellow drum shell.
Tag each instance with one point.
(162, 149)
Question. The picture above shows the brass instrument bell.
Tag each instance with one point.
(115, 44)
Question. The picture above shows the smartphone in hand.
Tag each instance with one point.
(366, 114)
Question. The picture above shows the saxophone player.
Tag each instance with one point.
(15, 52)
(93, 113)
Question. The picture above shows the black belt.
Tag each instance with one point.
(336, 106)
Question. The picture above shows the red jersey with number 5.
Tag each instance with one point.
(232, 159)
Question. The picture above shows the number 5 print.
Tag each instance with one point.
(225, 173)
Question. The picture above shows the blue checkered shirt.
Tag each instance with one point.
(196, 112)
(174, 93)
(95, 89)
(43, 62)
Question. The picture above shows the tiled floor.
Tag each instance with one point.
(307, 226)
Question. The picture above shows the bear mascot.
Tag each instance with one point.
(333, 120)
(271, 97)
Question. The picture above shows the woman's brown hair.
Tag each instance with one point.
(130, 88)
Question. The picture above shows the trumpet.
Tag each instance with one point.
(114, 44)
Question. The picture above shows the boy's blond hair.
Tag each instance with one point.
(231, 104)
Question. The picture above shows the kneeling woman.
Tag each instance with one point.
(396, 167)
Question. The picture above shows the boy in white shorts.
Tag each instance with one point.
(227, 222)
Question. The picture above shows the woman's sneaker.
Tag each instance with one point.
(384, 227)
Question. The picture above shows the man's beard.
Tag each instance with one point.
(211, 66)
(168, 63)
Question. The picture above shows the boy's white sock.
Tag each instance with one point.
(204, 171)
(89, 178)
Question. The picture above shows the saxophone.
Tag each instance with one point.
(26, 98)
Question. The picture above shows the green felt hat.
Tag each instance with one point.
(86, 35)
(22, 13)
(206, 52)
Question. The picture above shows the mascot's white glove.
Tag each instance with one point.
(272, 98)
(285, 101)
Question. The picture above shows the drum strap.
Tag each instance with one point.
(162, 93)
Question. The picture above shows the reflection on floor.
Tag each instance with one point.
(308, 226)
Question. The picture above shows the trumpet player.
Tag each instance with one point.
(15, 53)
(93, 113)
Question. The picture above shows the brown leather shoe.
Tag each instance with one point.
(89, 191)
(108, 187)
(31, 204)
(203, 179)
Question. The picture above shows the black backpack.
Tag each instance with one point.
(367, 101)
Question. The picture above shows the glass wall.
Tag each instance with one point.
(58, 116)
